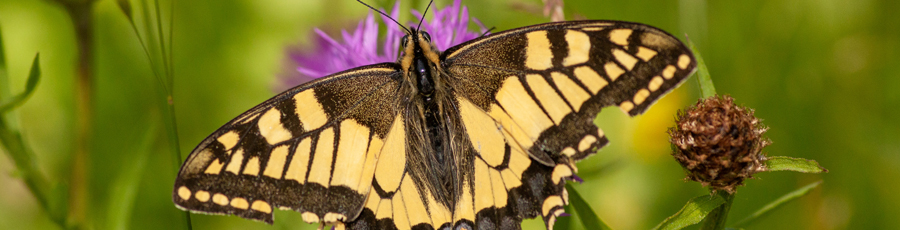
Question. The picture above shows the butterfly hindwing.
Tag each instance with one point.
(310, 149)
(543, 85)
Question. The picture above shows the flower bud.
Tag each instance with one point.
(718, 143)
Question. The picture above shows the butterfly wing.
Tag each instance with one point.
(311, 149)
(528, 98)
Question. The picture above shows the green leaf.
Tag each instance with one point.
(33, 77)
(716, 219)
(782, 163)
(707, 89)
(124, 188)
(776, 204)
(588, 218)
(692, 213)
(566, 222)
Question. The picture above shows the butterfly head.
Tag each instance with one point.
(419, 60)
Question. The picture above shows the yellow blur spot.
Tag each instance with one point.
(650, 141)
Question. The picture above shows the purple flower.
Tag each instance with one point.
(362, 46)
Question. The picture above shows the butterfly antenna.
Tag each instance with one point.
(423, 14)
(388, 16)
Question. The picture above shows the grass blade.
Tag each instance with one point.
(125, 6)
(707, 88)
(777, 203)
(4, 91)
(692, 213)
(782, 163)
(587, 215)
(123, 191)
(565, 223)
(33, 77)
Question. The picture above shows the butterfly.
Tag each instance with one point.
(479, 136)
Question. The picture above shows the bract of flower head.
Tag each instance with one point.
(362, 46)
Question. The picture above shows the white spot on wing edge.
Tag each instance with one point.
(568, 151)
(310, 217)
(626, 106)
(586, 142)
(334, 217)
(220, 199)
(184, 193)
(668, 72)
(655, 83)
(640, 96)
(683, 61)
(549, 203)
(559, 172)
(202, 196)
(240, 203)
(261, 206)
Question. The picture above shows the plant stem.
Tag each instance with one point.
(164, 74)
(82, 20)
(717, 218)
(36, 182)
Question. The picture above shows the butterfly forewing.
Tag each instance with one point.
(543, 86)
(310, 149)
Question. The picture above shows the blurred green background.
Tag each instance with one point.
(821, 73)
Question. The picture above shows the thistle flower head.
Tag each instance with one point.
(363, 46)
(718, 143)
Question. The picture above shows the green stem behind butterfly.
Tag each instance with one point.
(155, 49)
(707, 88)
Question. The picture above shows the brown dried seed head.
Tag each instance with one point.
(719, 143)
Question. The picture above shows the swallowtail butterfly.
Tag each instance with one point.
(479, 136)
